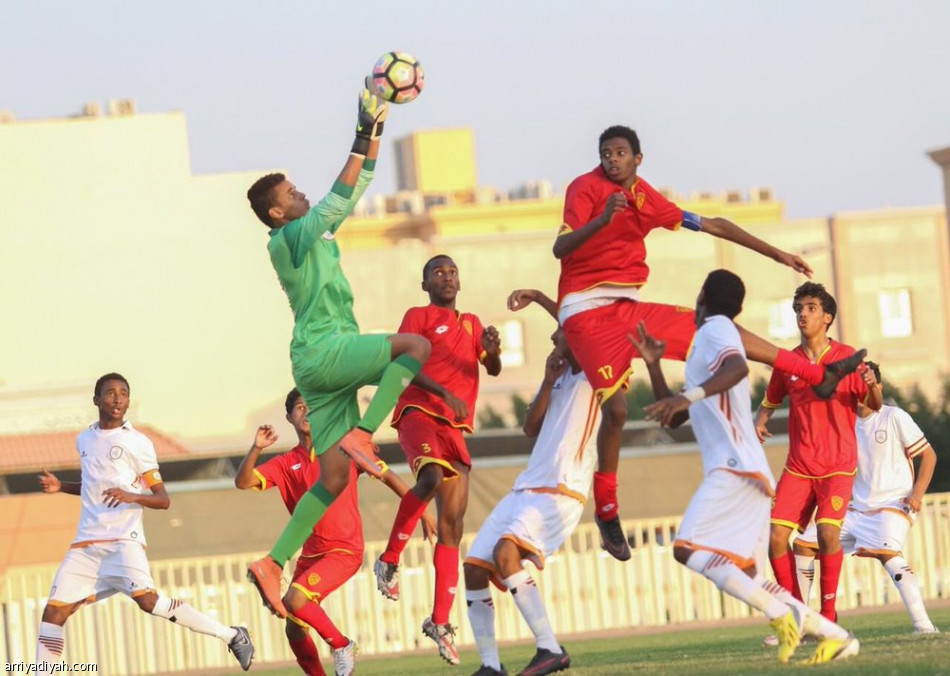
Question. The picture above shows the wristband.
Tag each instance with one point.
(695, 394)
(360, 146)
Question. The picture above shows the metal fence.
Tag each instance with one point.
(584, 589)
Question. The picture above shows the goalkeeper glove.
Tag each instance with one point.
(372, 112)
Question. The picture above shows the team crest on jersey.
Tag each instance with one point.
(837, 502)
(313, 579)
(467, 325)
(880, 436)
(641, 198)
(441, 329)
(116, 452)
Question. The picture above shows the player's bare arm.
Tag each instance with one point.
(875, 397)
(569, 242)
(400, 488)
(762, 417)
(924, 473)
(50, 483)
(726, 229)
(265, 437)
(651, 351)
(491, 343)
(554, 366)
(519, 299)
(159, 499)
(459, 408)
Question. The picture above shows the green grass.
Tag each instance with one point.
(887, 647)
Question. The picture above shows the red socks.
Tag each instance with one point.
(830, 572)
(785, 573)
(316, 617)
(410, 511)
(605, 495)
(789, 362)
(446, 561)
(307, 656)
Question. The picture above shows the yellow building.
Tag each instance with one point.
(114, 256)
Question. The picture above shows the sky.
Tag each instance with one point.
(832, 104)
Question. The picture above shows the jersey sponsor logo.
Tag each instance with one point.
(328, 236)
(426, 448)
(828, 597)
(441, 329)
(467, 325)
(116, 452)
(313, 579)
(297, 466)
(609, 506)
(641, 198)
(606, 372)
(837, 502)
(880, 436)
(403, 536)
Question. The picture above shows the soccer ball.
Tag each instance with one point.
(398, 77)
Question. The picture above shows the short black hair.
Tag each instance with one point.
(110, 376)
(723, 293)
(875, 369)
(291, 400)
(825, 299)
(429, 263)
(620, 131)
(261, 196)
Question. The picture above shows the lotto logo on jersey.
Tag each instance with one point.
(441, 329)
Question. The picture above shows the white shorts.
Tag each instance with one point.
(537, 522)
(728, 514)
(883, 531)
(97, 571)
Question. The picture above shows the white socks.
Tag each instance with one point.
(810, 622)
(527, 597)
(729, 578)
(49, 644)
(805, 568)
(481, 615)
(909, 587)
(188, 616)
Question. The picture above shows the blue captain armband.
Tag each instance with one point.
(692, 221)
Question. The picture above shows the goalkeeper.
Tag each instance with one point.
(331, 360)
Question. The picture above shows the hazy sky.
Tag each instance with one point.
(831, 103)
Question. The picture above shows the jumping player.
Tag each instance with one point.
(725, 524)
(885, 501)
(333, 552)
(431, 416)
(822, 455)
(331, 360)
(120, 478)
(608, 213)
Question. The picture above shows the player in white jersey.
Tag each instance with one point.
(119, 478)
(541, 511)
(884, 503)
(727, 521)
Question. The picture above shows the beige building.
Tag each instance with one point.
(114, 256)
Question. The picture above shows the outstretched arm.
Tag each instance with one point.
(519, 299)
(538, 408)
(266, 436)
(726, 229)
(51, 484)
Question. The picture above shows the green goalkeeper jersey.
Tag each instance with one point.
(306, 257)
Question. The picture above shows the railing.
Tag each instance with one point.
(584, 589)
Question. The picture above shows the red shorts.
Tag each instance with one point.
(425, 440)
(317, 576)
(598, 339)
(796, 498)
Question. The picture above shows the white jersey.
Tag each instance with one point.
(888, 440)
(564, 455)
(118, 458)
(723, 422)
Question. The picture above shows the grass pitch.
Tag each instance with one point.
(887, 648)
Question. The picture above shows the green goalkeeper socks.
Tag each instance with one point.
(307, 513)
(396, 378)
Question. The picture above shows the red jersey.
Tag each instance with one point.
(821, 433)
(293, 473)
(617, 254)
(457, 350)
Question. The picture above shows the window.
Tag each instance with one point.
(894, 306)
(512, 343)
(782, 321)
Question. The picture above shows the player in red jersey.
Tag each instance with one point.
(431, 416)
(823, 449)
(333, 552)
(608, 213)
